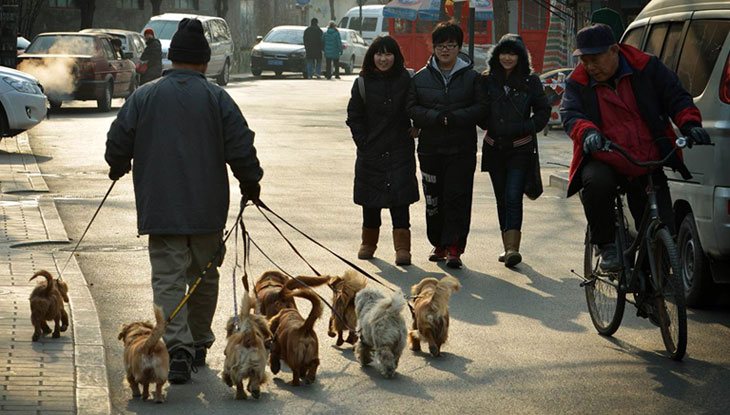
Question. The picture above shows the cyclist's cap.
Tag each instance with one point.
(149, 30)
(593, 40)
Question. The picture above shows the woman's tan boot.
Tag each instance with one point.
(369, 242)
(402, 244)
(501, 256)
(512, 255)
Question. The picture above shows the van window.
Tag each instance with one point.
(656, 39)
(354, 23)
(384, 25)
(669, 53)
(343, 23)
(164, 29)
(369, 24)
(633, 37)
(699, 53)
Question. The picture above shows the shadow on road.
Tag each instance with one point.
(7, 157)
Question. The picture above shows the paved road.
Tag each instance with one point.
(520, 342)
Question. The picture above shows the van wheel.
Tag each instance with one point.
(694, 266)
(55, 104)
(278, 73)
(104, 103)
(351, 67)
(225, 74)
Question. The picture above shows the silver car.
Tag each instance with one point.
(692, 37)
(354, 49)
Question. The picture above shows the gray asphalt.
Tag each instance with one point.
(520, 341)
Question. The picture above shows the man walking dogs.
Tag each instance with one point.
(181, 131)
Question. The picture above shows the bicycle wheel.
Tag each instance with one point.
(669, 295)
(605, 301)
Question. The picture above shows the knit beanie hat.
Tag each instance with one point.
(188, 44)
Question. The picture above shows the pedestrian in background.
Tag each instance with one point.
(313, 48)
(385, 169)
(518, 107)
(445, 101)
(332, 49)
(181, 132)
(150, 63)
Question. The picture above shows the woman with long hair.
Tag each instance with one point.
(518, 109)
(385, 169)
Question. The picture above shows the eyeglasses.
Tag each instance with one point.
(446, 46)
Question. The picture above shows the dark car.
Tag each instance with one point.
(281, 50)
(79, 66)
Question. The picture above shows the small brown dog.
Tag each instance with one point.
(431, 315)
(246, 350)
(145, 355)
(46, 303)
(344, 289)
(273, 291)
(295, 340)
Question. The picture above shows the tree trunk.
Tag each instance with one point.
(156, 6)
(221, 8)
(29, 11)
(87, 8)
(501, 19)
(332, 10)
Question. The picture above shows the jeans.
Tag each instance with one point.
(316, 64)
(508, 182)
(399, 215)
(329, 67)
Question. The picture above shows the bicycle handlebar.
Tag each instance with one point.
(680, 142)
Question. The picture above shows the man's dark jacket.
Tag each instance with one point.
(181, 131)
(153, 56)
(313, 42)
(462, 101)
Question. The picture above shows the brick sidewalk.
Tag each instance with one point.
(59, 376)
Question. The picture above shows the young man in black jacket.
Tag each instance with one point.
(446, 102)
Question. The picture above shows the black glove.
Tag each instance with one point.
(697, 135)
(592, 141)
(116, 174)
(250, 192)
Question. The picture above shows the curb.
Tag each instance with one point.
(559, 180)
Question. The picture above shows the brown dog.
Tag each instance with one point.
(344, 289)
(145, 355)
(246, 351)
(274, 291)
(431, 314)
(295, 340)
(46, 303)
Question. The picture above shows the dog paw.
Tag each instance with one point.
(256, 393)
(435, 351)
(227, 379)
(331, 333)
(64, 327)
(36, 336)
(352, 338)
(339, 342)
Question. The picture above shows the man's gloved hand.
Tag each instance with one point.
(250, 192)
(592, 141)
(116, 174)
(697, 135)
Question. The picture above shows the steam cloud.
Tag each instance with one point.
(55, 73)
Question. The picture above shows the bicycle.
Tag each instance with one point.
(659, 295)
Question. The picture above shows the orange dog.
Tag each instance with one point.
(46, 303)
(431, 320)
(145, 355)
(344, 290)
(274, 291)
(295, 340)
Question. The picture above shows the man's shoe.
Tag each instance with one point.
(181, 364)
(200, 353)
(453, 259)
(337, 77)
(437, 255)
(609, 258)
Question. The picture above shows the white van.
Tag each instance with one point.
(373, 22)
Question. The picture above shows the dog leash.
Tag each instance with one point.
(73, 251)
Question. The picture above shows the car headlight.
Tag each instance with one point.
(22, 86)
(257, 53)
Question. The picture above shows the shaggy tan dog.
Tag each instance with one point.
(46, 303)
(344, 289)
(382, 329)
(246, 350)
(295, 340)
(145, 355)
(431, 313)
(274, 291)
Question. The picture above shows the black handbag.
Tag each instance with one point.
(533, 181)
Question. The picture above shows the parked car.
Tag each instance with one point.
(373, 22)
(79, 66)
(692, 37)
(354, 49)
(553, 82)
(132, 42)
(281, 50)
(216, 31)
(21, 44)
(22, 103)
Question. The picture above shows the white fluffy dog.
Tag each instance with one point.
(382, 329)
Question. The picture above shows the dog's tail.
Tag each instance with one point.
(157, 331)
(49, 281)
(389, 305)
(316, 312)
(247, 303)
(442, 294)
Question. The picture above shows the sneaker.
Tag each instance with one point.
(181, 364)
(200, 353)
(609, 258)
(316, 76)
(453, 258)
(437, 255)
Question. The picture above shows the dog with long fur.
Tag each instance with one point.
(431, 313)
(246, 350)
(344, 289)
(382, 329)
(274, 291)
(146, 359)
(295, 340)
(46, 303)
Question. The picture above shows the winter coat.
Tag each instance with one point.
(153, 56)
(332, 43)
(461, 100)
(518, 106)
(313, 42)
(385, 169)
(181, 131)
(649, 86)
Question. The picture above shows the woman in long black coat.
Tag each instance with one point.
(385, 170)
(518, 109)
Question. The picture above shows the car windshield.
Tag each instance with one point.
(164, 29)
(62, 45)
(291, 36)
